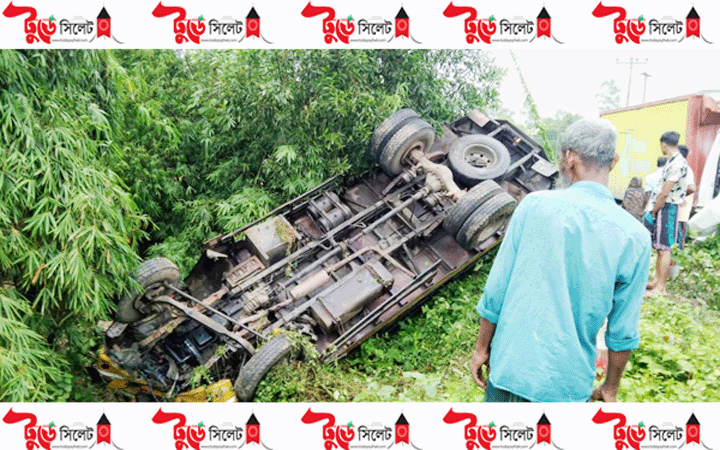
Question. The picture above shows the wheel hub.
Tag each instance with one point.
(480, 156)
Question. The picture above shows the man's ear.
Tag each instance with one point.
(615, 160)
(571, 159)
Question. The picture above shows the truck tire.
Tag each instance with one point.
(269, 355)
(486, 220)
(414, 135)
(475, 158)
(468, 203)
(385, 130)
(151, 275)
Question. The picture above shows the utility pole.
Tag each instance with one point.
(646, 75)
(631, 62)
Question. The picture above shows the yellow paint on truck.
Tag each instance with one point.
(639, 132)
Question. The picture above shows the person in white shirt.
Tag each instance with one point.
(652, 179)
(687, 205)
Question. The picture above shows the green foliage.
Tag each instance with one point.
(699, 277)
(202, 142)
(676, 361)
(215, 139)
(535, 121)
(68, 228)
(555, 126)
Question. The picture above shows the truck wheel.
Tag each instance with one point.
(468, 203)
(486, 220)
(274, 351)
(414, 135)
(475, 158)
(385, 131)
(151, 275)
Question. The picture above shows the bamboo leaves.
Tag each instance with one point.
(67, 227)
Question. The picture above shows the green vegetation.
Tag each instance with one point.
(110, 157)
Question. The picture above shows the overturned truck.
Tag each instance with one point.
(337, 264)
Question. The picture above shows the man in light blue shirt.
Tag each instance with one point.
(570, 258)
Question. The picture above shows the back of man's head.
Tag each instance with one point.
(662, 161)
(684, 150)
(670, 138)
(594, 141)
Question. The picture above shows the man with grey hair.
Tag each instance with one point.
(570, 258)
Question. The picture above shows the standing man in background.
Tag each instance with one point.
(570, 258)
(688, 203)
(662, 220)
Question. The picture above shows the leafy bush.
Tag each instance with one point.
(699, 277)
(676, 361)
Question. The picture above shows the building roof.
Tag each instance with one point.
(648, 104)
(402, 420)
(402, 14)
(692, 14)
(543, 420)
(693, 420)
(543, 14)
(103, 14)
(253, 420)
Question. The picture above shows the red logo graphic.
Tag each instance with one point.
(35, 30)
(633, 434)
(402, 430)
(185, 30)
(35, 436)
(184, 436)
(475, 436)
(692, 23)
(475, 29)
(543, 430)
(253, 430)
(103, 427)
(103, 23)
(692, 430)
(543, 23)
(253, 23)
(334, 436)
(630, 29)
(402, 24)
(334, 29)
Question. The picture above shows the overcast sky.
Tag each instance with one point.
(569, 79)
